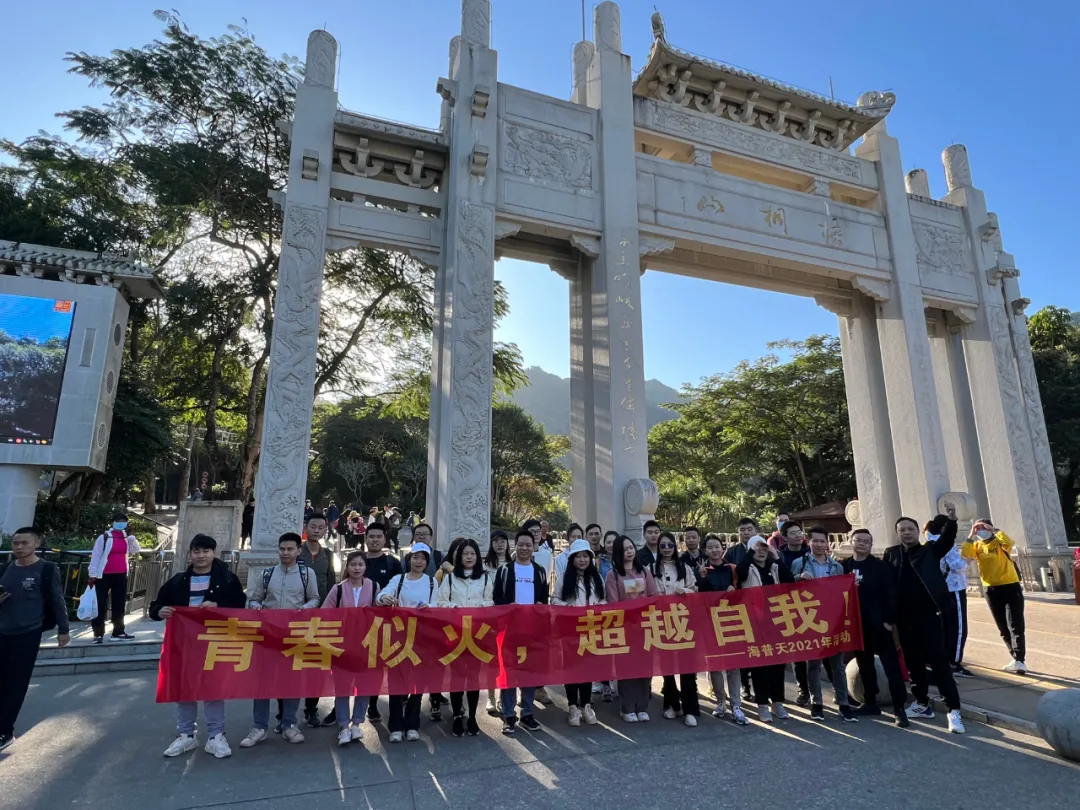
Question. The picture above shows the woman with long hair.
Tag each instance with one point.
(575, 532)
(717, 576)
(354, 591)
(498, 551)
(629, 580)
(675, 578)
(467, 585)
(580, 587)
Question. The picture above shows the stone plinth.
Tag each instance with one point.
(1058, 718)
(219, 519)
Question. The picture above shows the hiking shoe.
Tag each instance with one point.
(817, 712)
(253, 738)
(847, 715)
(589, 715)
(293, 735)
(218, 746)
(181, 745)
(530, 722)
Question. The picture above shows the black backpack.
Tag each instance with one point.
(48, 572)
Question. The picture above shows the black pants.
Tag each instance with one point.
(1007, 607)
(801, 678)
(744, 677)
(768, 684)
(578, 694)
(116, 585)
(881, 644)
(404, 712)
(18, 653)
(956, 627)
(471, 697)
(681, 696)
(923, 642)
(311, 706)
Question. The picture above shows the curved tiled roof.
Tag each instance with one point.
(137, 278)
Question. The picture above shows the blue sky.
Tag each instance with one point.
(994, 75)
(23, 316)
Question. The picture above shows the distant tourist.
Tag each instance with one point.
(109, 577)
(31, 603)
(207, 583)
(247, 522)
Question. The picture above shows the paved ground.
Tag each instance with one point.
(95, 742)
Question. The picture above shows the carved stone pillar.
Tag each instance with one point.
(459, 475)
(922, 475)
(582, 392)
(290, 387)
(614, 284)
(868, 414)
(1014, 453)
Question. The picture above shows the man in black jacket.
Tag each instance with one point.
(521, 582)
(922, 598)
(206, 583)
(877, 606)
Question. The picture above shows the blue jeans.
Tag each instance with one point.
(213, 714)
(509, 701)
(341, 709)
(261, 711)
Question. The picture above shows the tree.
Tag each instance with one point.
(355, 473)
(1055, 347)
(525, 470)
(770, 430)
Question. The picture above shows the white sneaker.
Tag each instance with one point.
(181, 745)
(643, 717)
(1021, 667)
(575, 716)
(918, 711)
(218, 746)
(356, 733)
(412, 735)
(690, 720)
(1018, 667)
(630, 717)
(669, 714)
(590, 716)
(344, 737)
(779, 712)
(293, 734)
(956, 724)
(597, 687)
(491, 709)
(763, 714)
(739, 718)
(254, 737)
(719, 713)
(396, 736)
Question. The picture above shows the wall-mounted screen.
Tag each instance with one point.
(34, 337)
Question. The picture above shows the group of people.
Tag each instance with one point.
(904, 597)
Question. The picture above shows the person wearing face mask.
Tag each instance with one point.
(876, 582)
(990, 547)
(955, 569)
(922, 598)
(777, 538)
(109, 576)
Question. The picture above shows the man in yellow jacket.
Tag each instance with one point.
(990, 547)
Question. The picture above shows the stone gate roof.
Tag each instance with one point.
(80, 267)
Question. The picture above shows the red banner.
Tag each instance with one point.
(214, 654)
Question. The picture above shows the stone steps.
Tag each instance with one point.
(84, 659)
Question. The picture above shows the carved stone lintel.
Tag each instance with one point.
(652, 245)
(878, 289)
(1003, 269)
(480, 99)
(504, 230)
(413, 174)
(309, 169)
(320, 65)
(361, 163)
(478, 161)
(589, 245)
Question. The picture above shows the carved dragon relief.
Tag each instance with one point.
(547, 157)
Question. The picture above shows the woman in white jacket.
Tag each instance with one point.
(468, 585)
(676, 578)
(109, 575)
(580, 586)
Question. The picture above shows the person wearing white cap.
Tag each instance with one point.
(762, 566)
(580, 586)
(414, 589)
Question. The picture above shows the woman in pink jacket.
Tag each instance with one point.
(355, 591)
(629, 579)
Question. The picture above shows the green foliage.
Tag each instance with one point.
(525, 470)
(1055, 346)
(139, 439)
(770, 432)
(30, 378)
(62, 532)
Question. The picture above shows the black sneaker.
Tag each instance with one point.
(817, 712)
(98, 640)
(530, 722)
(312, 719)
(508, 725)
(902, 720)
(869, 710)
(803, 699)
(959, 671)
(847, 715)
(459, 727)
(472, 727)
(6, 740)
(330, 719)
(123, 637)
(436, 713)
(373, 715)
(278, 728)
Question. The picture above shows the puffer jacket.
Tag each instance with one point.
(460, 592)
